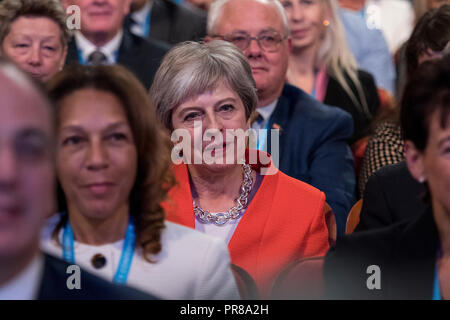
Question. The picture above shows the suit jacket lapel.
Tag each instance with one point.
(255, 218)
(179, 206)
(160, 21)
(72, 52)
(279, 120)
(126, 56)
(415, 259)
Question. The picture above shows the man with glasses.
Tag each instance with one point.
(313, 136)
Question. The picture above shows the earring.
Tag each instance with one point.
(422, 179)
(326, 23)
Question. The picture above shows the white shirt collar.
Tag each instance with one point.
(109, 50)
(25, 286)
(265, 113)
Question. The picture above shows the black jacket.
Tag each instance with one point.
(391, 195)
(139, 55)
(405, 253)
(337, 96)
(54, 285)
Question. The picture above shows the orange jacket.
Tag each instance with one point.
(284, 222)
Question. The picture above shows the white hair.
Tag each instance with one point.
(216, 8)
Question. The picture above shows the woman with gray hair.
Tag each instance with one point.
(34, 35)
(204, 91)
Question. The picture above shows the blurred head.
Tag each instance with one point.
(306, 21)
(105, 128)
(425, 120)
(316, 23)
(26, 164)
(34, 35)
(429, 39)
(101, 18)
(208, 83)
(243, 21)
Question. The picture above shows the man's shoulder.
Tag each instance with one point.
(307, 109)
(58, 274)
(145, 45)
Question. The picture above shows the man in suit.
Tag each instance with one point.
(312, 136)
(103, 40)
(391, 195)
(166, 21)
(27, 197)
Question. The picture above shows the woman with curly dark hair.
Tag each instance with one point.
(113, 168)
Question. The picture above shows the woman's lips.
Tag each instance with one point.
(258, 69)
(100, 188)
(299, 33)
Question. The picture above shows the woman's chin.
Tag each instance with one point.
(216, 167)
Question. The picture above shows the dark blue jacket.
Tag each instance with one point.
(314, 149)
(54, 285)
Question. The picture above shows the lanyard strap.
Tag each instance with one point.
(146, 29)
(125, 259)
(436, 290)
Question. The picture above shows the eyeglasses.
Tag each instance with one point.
(268, 41)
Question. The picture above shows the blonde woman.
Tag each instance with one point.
(322, 65)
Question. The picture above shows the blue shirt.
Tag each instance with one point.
(370, 49)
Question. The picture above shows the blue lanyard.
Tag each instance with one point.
(261, 142)
(146, 29)
(125, 259)
(436, 290)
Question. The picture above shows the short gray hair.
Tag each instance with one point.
(11, 10)
(192, 68)
(215, 13)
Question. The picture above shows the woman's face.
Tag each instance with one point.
(306, 21)
(433, 164)
(96, 153)
(34, 45)
(220, 109)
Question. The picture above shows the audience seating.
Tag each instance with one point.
(245, 283)
(353, 217)
(302, 279)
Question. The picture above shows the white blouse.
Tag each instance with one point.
(190, 265)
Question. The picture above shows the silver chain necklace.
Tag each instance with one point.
(220, 218)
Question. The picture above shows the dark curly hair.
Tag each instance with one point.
(432, 31)
(154, 175)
